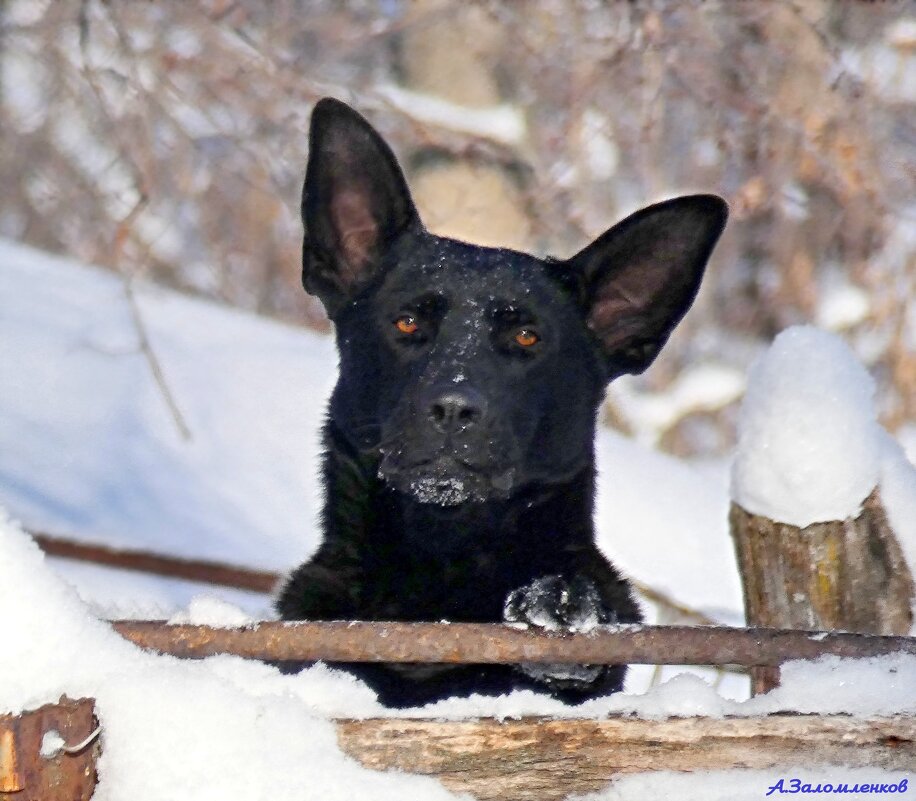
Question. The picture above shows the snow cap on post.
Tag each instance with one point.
(809, 444)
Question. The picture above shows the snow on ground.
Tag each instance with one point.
(503, 123)
(213, 729)
(88, 448)
(665, 523)
(704, 387)
(223, 726)
(128, 594)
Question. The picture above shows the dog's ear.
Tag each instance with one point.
(354, 202)
(641, 276)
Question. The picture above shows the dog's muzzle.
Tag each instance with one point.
(446, 481)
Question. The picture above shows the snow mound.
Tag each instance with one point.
(226, 727)
(205, 610)
(208, 730)
(664, 523)
(877, 686)
(809, 446)
(88, 449)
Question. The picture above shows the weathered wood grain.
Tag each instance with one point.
(846, 575)
(547, 760)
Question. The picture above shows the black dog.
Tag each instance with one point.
(459, 466)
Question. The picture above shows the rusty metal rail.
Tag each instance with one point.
(473, 643)
(453, 642)
(200, 570)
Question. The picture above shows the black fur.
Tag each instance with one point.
(459, 466)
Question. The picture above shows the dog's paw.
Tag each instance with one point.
(554, 604)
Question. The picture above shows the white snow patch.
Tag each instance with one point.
(902, 33)
(51, 744)
(865, 688)
(704, 387)
(888, 68)
(665, 523)
(842, 306)
(906, 436)
(89, 450)
(602, 156)
(873, 687)
(503, 123)
(706, 152)
(214, 728)
(793, 202)
(205, 610)
(128, 594)
(172, 729)
(809, 443)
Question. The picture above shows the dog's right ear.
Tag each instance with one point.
(641, 276)
(354, 202)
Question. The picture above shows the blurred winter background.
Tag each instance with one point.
(165, 142)
(168, 140)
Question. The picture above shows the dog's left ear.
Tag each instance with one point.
(355, 201)
(642, 275)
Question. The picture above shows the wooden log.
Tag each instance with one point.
(847, 575)
(67, 775)
(547, 760)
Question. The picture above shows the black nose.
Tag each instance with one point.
(456, 409)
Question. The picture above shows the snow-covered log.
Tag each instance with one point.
(815, 542)
(51, 754)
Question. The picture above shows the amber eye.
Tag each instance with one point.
(526, 337)
(407, 324)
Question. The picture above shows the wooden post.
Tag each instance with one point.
(847, 575)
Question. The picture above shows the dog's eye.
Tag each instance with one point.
(526, 337)
(407, 324)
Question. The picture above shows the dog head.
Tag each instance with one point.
(472, 372)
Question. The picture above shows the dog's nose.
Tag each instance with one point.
(456, 409)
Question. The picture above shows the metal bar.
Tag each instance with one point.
(145, 562)
(482, 643)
